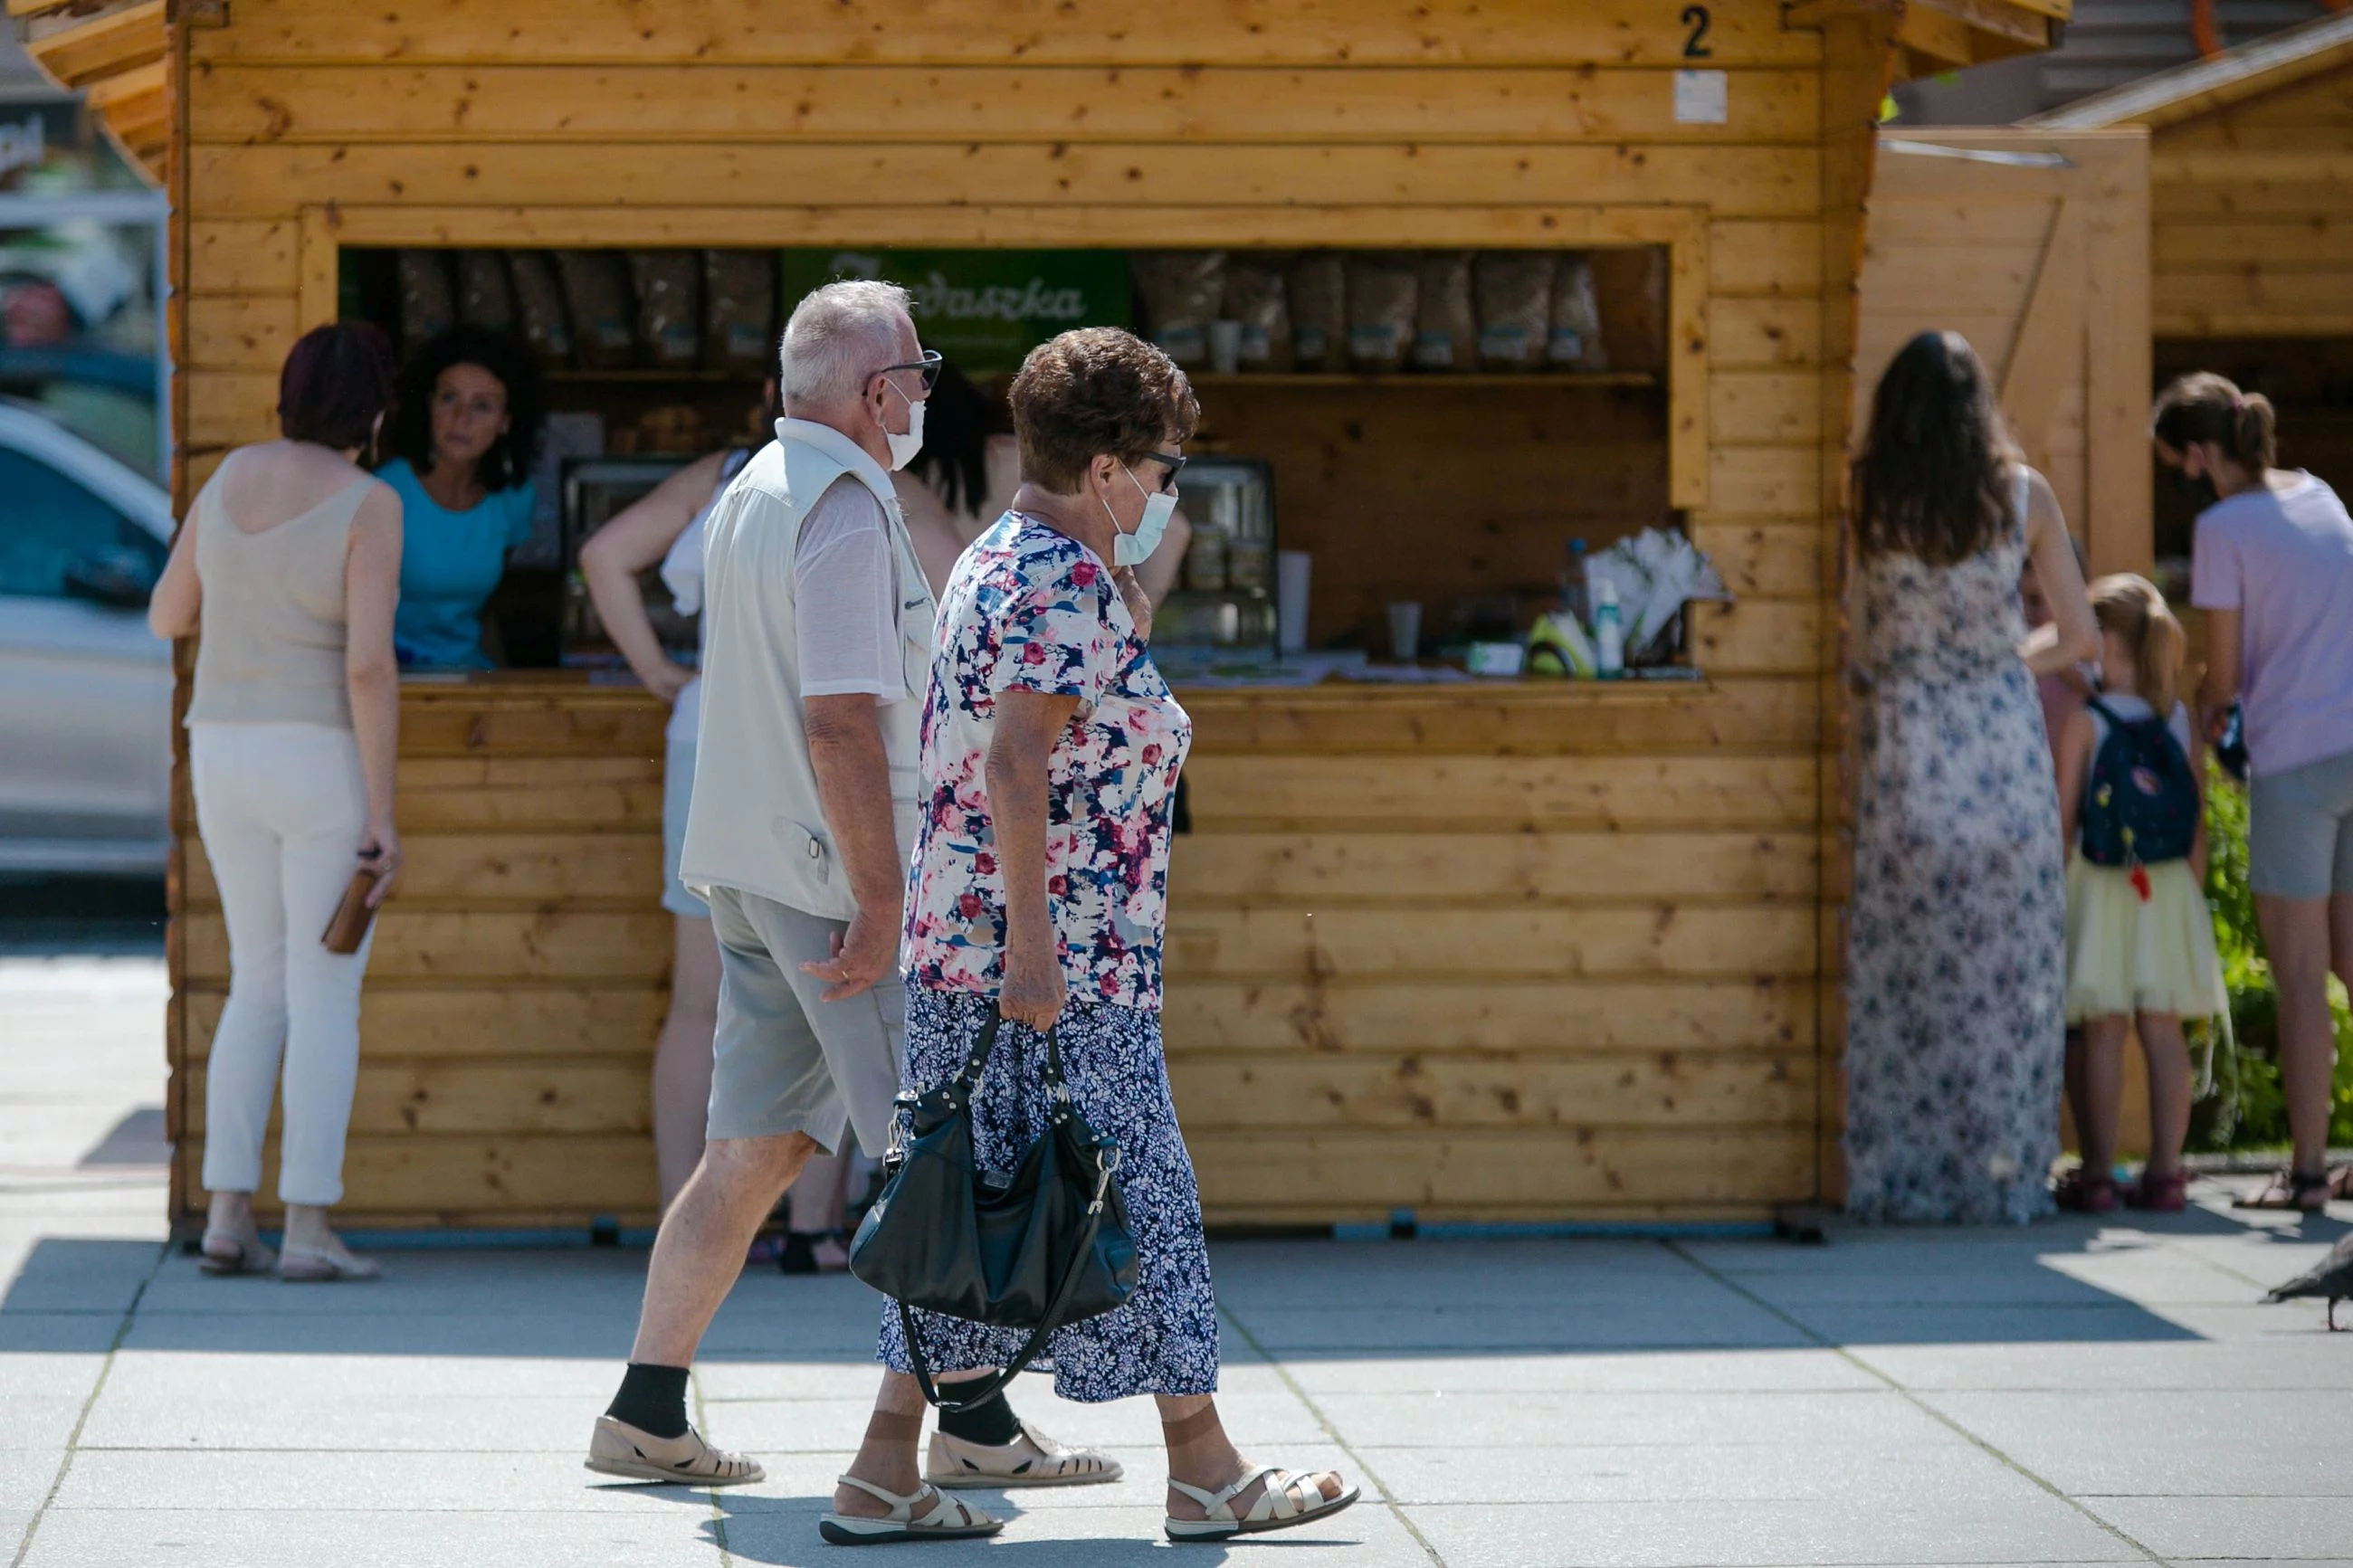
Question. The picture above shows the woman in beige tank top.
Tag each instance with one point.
(288, 566)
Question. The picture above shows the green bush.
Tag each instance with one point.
(2244, 1110)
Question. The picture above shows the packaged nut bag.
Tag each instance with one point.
(596, 297)
(1319, 311)
(538, 307)
(1576, 341)
(1182, 291)
(428, 304)
(485, 297)
(670, 307)
(1630, 291)
(1256, 297)
(1384, 291)
(1513, 290)
(1445, 334)
(739, 312)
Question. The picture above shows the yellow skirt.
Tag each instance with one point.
(2127, 956)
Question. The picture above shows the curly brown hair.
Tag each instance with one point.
(1932, 479)
(1095, 391)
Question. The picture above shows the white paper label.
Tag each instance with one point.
(1701, 98)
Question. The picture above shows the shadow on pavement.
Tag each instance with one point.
(1350, 1300)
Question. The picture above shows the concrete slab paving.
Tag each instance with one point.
(1657, 1372)
(2076, 1392)
(1930, 1528)
(277, 1538)
(2286, 1528)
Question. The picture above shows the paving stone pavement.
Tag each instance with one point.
(2076, 1392)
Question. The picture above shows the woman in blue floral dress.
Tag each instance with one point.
(1956, 935)
(1050, 749)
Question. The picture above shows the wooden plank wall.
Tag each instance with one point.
(2251, 220)
(2046, 270)
(1484, 960)
(516, 984)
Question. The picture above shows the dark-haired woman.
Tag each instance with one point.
(289, 564)
(468, 426)
(1956, 938)
(2272, 567)
(964, 478)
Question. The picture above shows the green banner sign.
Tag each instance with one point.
(985, 310)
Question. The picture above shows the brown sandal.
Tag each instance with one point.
(2298, 1189)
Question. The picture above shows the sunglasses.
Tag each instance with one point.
(930, 365)
(1170, 461)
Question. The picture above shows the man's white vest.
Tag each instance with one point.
(758, 822)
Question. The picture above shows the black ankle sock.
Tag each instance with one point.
(652, 1399)
(991, 1422)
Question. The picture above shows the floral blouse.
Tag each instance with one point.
(1032, 609)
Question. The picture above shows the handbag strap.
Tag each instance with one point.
(976, 1063)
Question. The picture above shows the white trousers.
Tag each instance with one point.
(281, 808)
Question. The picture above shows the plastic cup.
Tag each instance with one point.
(1405, 630)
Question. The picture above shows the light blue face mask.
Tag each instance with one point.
(1136, 549)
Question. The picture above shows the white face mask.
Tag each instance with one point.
(904, 448)
(1136, 549)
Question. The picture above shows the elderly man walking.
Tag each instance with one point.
(817, 645)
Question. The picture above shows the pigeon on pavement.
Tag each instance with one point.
(2331, 1279)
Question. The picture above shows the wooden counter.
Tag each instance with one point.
(517, 981)
(1485, 952)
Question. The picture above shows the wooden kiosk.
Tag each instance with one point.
(1493, 951)
(2250, 232)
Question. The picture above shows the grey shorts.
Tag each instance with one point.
(678, 793)
(782, 1061)
(2300, 830)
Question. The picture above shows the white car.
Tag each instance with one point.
(85, 690)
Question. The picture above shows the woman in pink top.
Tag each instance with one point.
(2271, 566)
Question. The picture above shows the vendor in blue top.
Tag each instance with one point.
(470, 409)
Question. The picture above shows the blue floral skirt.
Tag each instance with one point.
(1164, 1337)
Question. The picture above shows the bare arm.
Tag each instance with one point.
(2074, 762)
(2218, 687)
(635, 539)
(853, 784)
(371, 673)
(177, 602)
(1028, 722)
(2072, 635)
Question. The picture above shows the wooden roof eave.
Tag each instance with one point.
(1946, 35)
(114, 53)
(2202, 86)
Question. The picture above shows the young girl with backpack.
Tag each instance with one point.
(2140, 944)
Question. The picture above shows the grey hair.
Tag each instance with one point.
(838, 336)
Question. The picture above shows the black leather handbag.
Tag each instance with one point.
(1046, 1247)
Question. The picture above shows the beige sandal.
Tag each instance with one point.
(1288, 1501)
(618, 1448)
(947, 1519)
(249, 1256)
(322, 1265)
(1033, 1460)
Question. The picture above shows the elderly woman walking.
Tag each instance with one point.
(1051, 747)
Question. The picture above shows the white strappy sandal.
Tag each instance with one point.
(947, 1519)
(1289, 1500)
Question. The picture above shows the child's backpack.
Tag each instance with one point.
(2142, 806)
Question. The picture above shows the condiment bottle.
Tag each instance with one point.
(1609, 632)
